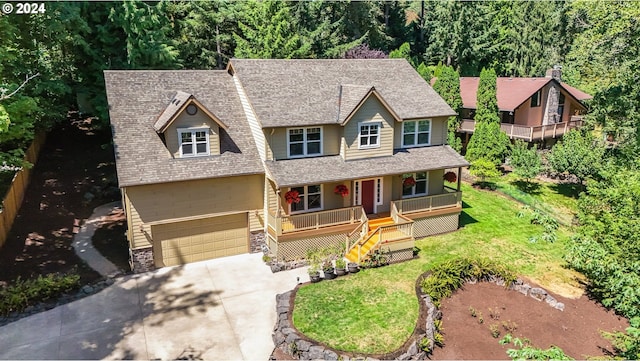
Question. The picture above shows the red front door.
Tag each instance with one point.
(368, 196)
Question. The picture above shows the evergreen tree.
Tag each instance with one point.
(448, 86)
(268, 32)
(403, 52)
(488, 142)
(487, 102)
(526, 162)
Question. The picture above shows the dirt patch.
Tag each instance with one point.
(576, 330)
(75, 174)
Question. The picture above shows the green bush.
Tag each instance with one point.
(451, 275)
(525, 351)
(24, 293)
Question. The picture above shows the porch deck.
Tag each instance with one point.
(530, 134)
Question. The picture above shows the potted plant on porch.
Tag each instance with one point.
(341, 267)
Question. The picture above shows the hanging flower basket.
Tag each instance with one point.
(450, 177)
(409, 182)
(292, 196)
(342, 190)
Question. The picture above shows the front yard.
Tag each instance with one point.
(375, 311)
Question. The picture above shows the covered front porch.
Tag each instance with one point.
(332, 202)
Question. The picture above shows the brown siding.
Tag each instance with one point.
(371, 111)
(159, 202)
(528, 116)
(199, 120)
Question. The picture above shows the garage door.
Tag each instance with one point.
(199, 240)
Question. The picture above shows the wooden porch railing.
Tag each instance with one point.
(383, 235)
(314, 220)
(539, 132)
(426, 203)
(357, 234)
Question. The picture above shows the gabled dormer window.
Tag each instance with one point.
(303, 142)
(416, 133)
(369, 136)
(193, 142)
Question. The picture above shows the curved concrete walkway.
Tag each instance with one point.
(84, 247)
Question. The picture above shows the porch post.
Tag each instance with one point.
(459, 177)
(278, 213)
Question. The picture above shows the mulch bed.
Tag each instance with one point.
(576, 330)
(74, 174)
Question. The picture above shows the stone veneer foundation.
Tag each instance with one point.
(141, 260)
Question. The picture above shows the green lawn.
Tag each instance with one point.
(375, 311)
(558, 200)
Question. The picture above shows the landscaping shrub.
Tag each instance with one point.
(24, 293)
(525, 351)
(451, 275)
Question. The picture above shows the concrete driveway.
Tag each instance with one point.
(215, 310)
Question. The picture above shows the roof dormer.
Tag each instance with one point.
(189, 128)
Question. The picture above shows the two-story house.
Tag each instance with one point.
(531, 109)
(305, 153)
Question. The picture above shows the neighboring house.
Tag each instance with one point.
(531, 109)
(303, 153)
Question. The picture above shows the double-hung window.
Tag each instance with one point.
(369, 136)
(416, 133)
(302, 142)
(310, 198)
(193, 142)
(418, 189)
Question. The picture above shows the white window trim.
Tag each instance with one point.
(304, 143)
(379, 197)
(414, 195)
(360, 136)
(193, 131)
(306, 199)
(416, 133)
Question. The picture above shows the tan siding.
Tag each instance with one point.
(371, 111)
(332, 135)
(199, 120)
(436, 181)
(256, 129)
(160, 202)
(256, 220)
(332, 200)
(277, 140)
(387, 186)
(438, 132)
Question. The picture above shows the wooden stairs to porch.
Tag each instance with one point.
(371, 238)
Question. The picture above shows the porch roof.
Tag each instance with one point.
(296, 172)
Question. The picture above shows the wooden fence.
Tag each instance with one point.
(13, 199)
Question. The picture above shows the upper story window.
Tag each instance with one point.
(535, 99)
(416, 133)
(302, 142)
(420, 186)
(193, 142)
(310, 199)
(369, 136)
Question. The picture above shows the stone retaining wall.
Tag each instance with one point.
(290, 342)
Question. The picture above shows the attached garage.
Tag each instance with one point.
(198, 240)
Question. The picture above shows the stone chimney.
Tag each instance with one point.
(555, 72)
(551, 114)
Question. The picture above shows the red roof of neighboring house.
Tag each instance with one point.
(511, 92)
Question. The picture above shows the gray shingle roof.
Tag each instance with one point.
(349, 97)
(298, 92)
(136, 98)
(172, 108)
(296, 172)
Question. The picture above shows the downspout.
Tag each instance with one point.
(278, 213)
(459, 177)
